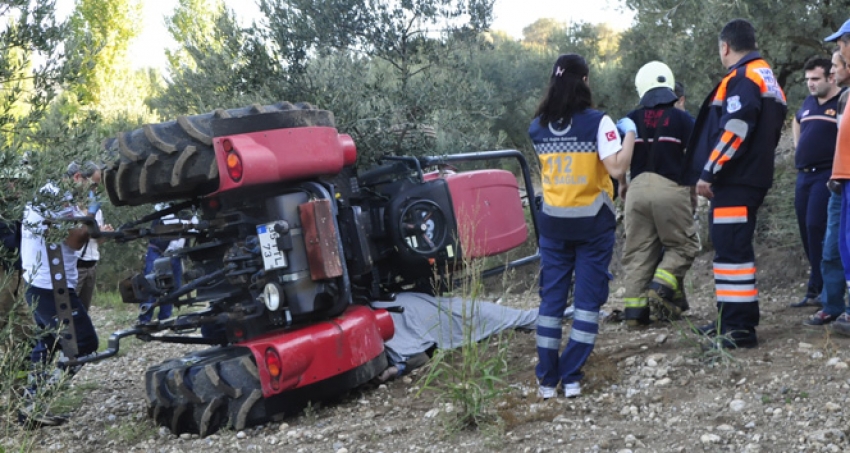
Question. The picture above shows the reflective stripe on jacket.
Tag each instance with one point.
(575, 182)
(738, 127)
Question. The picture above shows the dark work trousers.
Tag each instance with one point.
(831, 267)
(732, 223)
(45, 318)
(559, 259)
(810, 199)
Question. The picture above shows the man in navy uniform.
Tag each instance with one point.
(731, 158)
(815, 129)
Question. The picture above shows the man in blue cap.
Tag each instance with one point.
(840, 175)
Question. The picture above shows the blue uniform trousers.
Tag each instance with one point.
(831, 267)
(44, 314)
(843, 234)
(810, 203)
(560, 259)
(732, 223)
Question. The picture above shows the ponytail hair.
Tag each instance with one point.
(568, 92)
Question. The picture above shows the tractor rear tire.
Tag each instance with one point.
(175, 159)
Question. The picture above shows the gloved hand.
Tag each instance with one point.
(626, 125)
(834, 186)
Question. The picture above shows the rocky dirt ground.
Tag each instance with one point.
(649, 390)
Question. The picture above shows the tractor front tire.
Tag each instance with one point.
(206, 391)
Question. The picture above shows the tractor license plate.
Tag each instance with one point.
(273, 258)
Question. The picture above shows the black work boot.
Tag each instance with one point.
(661, 302)
(739, 339)
(709, 330)
(680, 298)
(636, 312)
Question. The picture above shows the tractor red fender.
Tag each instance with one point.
(488, 209)
(313, 353)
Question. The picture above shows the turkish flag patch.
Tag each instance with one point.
(611, 135)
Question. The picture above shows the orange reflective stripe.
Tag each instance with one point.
(747, 271)
(738, 293)
(726, 137)
(731, 211)
(721, 89)
(755, 77)
(714, 155)
(737, 143)
(728, 156)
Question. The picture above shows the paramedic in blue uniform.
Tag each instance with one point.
(731, 162)
(815, 128)
(580, 151)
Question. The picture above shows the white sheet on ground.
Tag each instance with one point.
(428, 321)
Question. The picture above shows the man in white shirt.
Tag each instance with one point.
(53, 203)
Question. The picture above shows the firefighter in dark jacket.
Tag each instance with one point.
(731, 155)
(661, 240)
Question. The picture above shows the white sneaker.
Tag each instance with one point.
(572, 390)
(546, 392)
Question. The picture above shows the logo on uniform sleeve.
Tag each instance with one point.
(806, 113)
(611, 135)
(733, 104)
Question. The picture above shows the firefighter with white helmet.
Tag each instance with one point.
(661, 241)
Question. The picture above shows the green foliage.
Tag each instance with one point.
(193, 23)
(777, 222)
(684, 34)
(399, 32)
(219, 65)
(109, 25)
(31, 33)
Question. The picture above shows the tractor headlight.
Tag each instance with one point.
(271, 296)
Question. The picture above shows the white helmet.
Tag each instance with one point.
(652, 75)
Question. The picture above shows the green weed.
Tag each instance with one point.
(471, 377)
(68, 399)
(131, 432)
(707, 349)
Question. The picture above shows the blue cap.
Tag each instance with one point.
(844, 29)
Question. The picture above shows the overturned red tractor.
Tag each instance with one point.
(289, 246)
